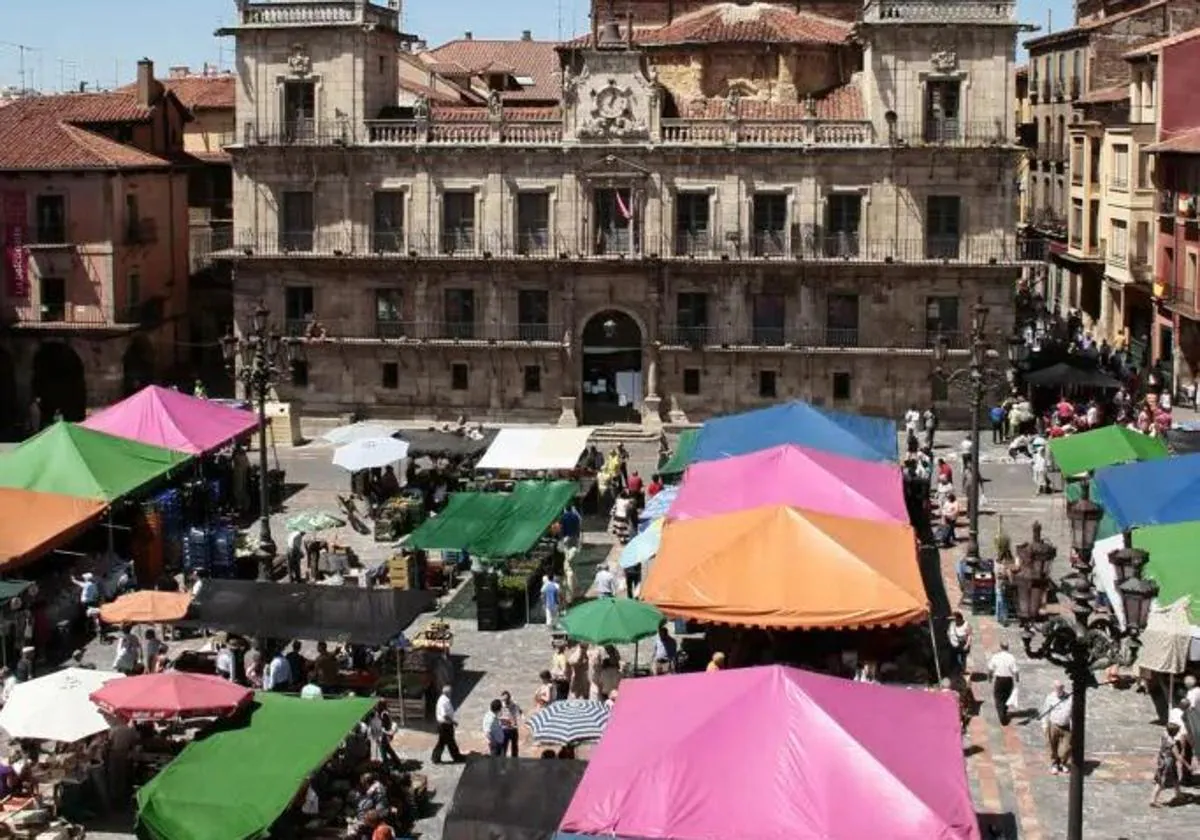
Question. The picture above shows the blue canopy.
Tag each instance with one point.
(1150, 492)
(659, 503)
(798, 424)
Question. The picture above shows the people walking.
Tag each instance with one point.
(510, 722)
(493, 729)
(959, 635)
(447, 721)
(1056, 723)
(551, 598)
(1004, 673)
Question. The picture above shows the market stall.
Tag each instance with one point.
(790, 475)
(35, 523)
(261, 764)
(681, 456)
(172, 420)
(662, 770)
(493, 524)
(513, 798)
(1159, 492)
(536, 450)
(462, 443)
(798, 423)
(1107, 446)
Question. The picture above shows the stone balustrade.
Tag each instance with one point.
(940, 11)
(315, 12)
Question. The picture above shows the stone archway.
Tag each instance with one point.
(137, 366)
(11, 421)
(59, 383)
(612, 381)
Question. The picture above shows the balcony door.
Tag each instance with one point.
(942, 105)
(299, 111)
(843, 216)
(943, 226)
(616, 229)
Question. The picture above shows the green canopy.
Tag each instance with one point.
(73, 461)
(681, 458)
(1173, 563)
(496, 524)
(236, 782)
(1108, 526)
(610, 621)
(1104, 447)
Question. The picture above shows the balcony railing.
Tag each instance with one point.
(1118, 182)
(387, 241)
(534, 243)
(799, 337)
(432, 330)
(51, 235)
(939, 131)
(315, 12)
(1166, 203)
(1118, 258)
(757, 133)
(298, 132)
(932, 11)
(67, 315)
(204, 241)
(1052, 152)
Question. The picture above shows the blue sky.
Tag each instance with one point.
(69, 41)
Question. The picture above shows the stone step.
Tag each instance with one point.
(623, 433)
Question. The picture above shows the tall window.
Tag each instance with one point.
(533, 314)
(1141, 243)
(1190, 279)
(460, 313)
(941, 319)
(1118, 242)
(389, 313)
(617, 229)
(692, 232)
(1094, 162)
(942, 102)
(458, 221)
(296, 218)
(1077, 160)
(1144, 181)
(943, 221)
(299, 112)
(769, 224)
(51, 219)
(1119, 178)
(387, 231)
(533, 223)
(770, 315)
(843, 216)
(1076, 230)
(1094, 224)
(297, 308)
(691, 317)
(841, 320)
(54, 299)
(133, 217)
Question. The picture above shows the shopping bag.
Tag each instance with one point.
(1014, 699)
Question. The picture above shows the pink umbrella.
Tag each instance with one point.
(166, 418)
(170, 695)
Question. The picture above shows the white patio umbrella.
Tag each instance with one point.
(362, 430)
(371, 453)
(56, 707)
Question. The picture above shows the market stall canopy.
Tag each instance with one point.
(1173, 562)
(681, 458)
(785, 568)
(798, 424)
(612, 621)
(806, 746)
(1104, 447)
(513, 798)
(1063, 375)
(234, 783)
(146, 606)
(658, 505)
(535, 449)
(56, 707)
(496, 524)
(172, 420)
(32, 523)
(370, 453)
(346, 614)
(1150, 492)
(1166, 640)
(362, 430)
(74, 461)
(171, 695)
(790, 475)
(432, 443)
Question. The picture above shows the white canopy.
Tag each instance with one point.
(1106, 579)
(362, 430)
(56, 707)
(535, 449)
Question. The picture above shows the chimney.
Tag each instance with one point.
(527, 35)
(467, 36)
(146, 83)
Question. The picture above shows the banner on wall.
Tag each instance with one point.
(16, 254)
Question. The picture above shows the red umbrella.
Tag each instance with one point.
(169, 695)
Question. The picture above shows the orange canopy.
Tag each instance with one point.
(147, 606)
(33, 523)
(787, 568)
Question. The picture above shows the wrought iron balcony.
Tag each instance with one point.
(298, 132)
(939, 131)
(65, 315)
(798, 337)
(427, 330)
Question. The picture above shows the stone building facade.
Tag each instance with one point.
(730, 204)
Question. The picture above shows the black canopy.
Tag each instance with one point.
(1062, 375)
(307, 611)
(1183, 441)
(512, 798)
(437, 444)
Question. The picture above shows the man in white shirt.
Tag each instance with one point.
(446, 722)
(551, 598)
(279, 673)
(128, 652)
(89, 590)
(1003, 672)
(606, 583)
(1056, 723)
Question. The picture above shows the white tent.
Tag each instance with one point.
(1106, 580)
(56, 707)
(535, 449)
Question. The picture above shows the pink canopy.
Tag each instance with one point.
(816, 758)
(166, 418)
(796, 477)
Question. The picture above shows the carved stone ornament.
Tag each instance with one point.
(299, 62)
(611, 113)
(733, 103)
(421, 108)
(944, 60)
(494, 105)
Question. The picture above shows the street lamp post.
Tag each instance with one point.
(1078, 644)
(975, 379)
(258, 359)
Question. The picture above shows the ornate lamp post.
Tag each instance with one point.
(976, 379)
(1077, 643)
(258, 359)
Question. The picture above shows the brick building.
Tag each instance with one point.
(697, 208)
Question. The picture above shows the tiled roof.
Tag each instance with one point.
(1186, 143)
(1155, 46)
(198, 93)
(840, 103)
(536, 59)
(432, 94)
(49, 132)
(1116, 93)
(1093, 25)
(764, 23)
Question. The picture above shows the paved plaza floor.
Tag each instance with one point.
(1007, 766)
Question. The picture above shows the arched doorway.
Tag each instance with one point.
(58, 381)
(137, 365)
(612, 369)
(11, 423)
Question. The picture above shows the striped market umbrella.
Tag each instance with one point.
(569, 722)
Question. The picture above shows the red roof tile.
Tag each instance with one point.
(1116, 93)
(215, 92)
(49, 132)
(724, 23)
(1186, 143)
(1092, 25)
(840, 103)
(1155, 46)
(536, 59)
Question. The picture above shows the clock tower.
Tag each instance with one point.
(609, 95)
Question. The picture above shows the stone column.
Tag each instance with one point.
(652, 402)
(566, 401)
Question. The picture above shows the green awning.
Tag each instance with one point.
(1173, 563)
(235, 783)
(73, 461)
(496, 524)
(681, 458)
(1104, 447)
(1107, 527)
